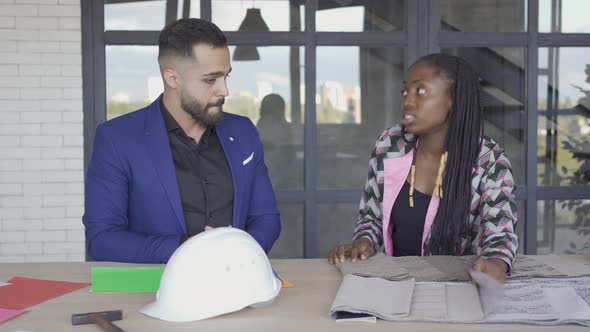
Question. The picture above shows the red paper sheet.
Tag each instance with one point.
(6, 314)
(25, 292)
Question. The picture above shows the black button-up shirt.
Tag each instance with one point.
(204, 177)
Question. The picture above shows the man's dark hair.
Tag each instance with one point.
(463, 143)
(179, 37)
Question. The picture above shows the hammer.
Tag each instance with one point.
(103, 319)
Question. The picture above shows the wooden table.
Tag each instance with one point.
(303, 308)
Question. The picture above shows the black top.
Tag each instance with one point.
(408, 223)
(204, 177)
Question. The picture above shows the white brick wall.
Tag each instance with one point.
(41, 138)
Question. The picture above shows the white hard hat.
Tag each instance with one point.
(214, 273)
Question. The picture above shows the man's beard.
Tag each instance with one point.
(201, 114)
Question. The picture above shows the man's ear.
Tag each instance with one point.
(171, 77)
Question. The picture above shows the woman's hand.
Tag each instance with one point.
(359, 249)
(494, 267)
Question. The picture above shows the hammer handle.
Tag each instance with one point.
(105, 324)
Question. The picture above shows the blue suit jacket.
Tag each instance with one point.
(133, 208)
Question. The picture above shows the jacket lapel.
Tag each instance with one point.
(158, 147)
(395, 173)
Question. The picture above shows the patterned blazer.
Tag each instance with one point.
(493, 209)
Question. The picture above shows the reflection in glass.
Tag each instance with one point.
(290, 242)
(270, 92)
(137, 15)
(357, 96)
(133, 78)
(358, 16)
(503, 96)
(335, 225)
(569, 16)
(563, 227)
(277, 15)
(483, 15)
(564, 116)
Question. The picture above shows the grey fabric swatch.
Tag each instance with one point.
(378, 266)
(381, 298)
(567, 265)
(455, 268)
(435, 268)
(544, 266)
(538, 301)
(424, 268)
(491, 292)
(530, 267)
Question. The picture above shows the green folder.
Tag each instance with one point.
(126, 279)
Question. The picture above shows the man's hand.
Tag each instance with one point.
(359, 249)
(494, 267)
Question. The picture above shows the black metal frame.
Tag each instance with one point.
(418, 39)
(530, 230)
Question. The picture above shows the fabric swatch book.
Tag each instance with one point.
(539, 301)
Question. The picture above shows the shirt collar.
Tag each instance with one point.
(171, 124)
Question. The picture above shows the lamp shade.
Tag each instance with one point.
(246, 53)
(253, 22)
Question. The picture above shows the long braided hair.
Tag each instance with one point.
(462, 142)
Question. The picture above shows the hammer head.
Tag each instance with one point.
(113, 315)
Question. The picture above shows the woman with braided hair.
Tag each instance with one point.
(436, 184)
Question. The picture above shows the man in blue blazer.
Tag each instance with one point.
(179, 166)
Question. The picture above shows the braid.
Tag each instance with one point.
(462, 142)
